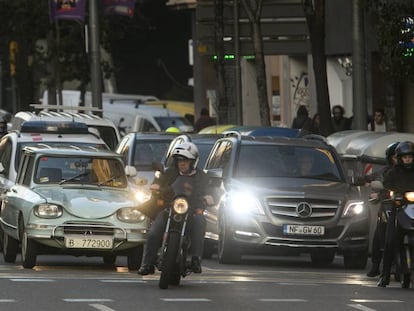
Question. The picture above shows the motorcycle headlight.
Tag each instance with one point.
(130, 214)
(142, 195)
(353, 208)
(245, 203)
(48, 210)
(409, 196)
(180, 206)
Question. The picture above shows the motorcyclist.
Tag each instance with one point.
(379, 234)
(400, 179)
(186, 157)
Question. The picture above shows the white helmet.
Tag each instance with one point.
(186, 150)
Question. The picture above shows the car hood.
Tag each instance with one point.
(88, 203)
(302, 187)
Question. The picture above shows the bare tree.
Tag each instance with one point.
(315, 18)
(253, 10)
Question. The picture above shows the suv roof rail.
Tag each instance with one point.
(315, 137)
(232, 134)
(61, 107)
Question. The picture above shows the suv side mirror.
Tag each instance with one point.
(215, 173)
(1, 168)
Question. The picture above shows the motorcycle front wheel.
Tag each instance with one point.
(169, 264)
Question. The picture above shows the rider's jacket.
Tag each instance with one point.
(399, 179)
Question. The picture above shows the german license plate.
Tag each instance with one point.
(102, 242)
(303, 230)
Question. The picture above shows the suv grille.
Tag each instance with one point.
(286, 208)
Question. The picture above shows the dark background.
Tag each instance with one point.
(152, 58)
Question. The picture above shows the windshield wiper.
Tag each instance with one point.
(108, 180)
(74, 177)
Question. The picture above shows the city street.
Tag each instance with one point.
(282, 283)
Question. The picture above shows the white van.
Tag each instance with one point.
(132, 117)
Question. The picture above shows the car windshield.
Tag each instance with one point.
(147, 152)
(85, 170)
(287, 161)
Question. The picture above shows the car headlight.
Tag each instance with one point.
(245, 203)
(47, 210)
(130, 214)
(409, 196)
(354, 208)
(142, 195)
(180, 206)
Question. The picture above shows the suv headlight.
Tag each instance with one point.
(47, 210)
(130, 214)
(245, 203)
(353, 208)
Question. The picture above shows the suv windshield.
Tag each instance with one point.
(287, 161)
(147, 152)
(85, 170)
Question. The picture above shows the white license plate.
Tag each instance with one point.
(303, 230)
(103, 242)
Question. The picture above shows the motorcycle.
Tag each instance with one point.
(174, 263)
(403, 210)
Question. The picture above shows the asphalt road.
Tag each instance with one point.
(278, 283)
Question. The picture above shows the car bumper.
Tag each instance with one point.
(55, 235)
(344, 236)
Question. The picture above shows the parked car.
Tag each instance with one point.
(285, 195)
(73, 201)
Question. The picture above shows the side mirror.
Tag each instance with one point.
(130, 171)
(1, 168)
(215, 173)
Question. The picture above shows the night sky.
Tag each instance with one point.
(152, 58)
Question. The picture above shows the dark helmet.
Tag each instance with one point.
(390, 151)
(404, 148)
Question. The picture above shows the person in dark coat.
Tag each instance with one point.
(204, 120)
(339, 121)
(302, 118)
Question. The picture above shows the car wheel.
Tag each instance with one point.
(109, 259)
(228, 250)
(322, 257)
(134, 257)
(29, 252)
(10, 248)
(355, 260)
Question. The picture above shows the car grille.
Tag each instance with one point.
(285, 208)
(88, 228)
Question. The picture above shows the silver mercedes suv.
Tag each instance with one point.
(285, 195)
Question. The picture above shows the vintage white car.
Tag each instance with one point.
(72, 200)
